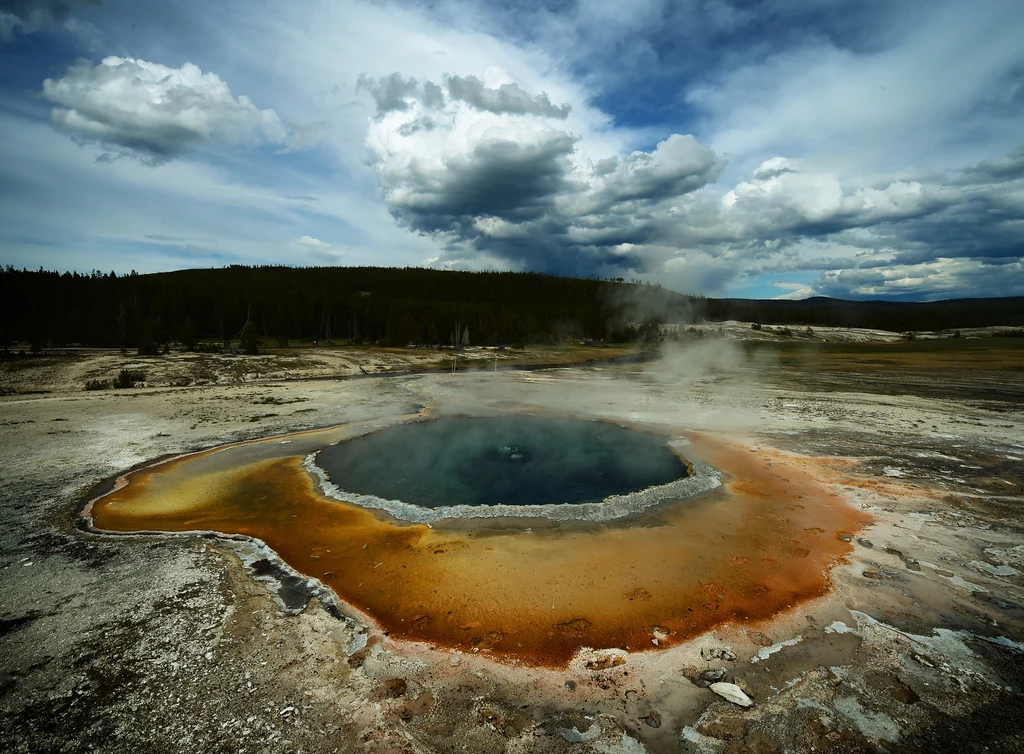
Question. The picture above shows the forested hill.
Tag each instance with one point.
(389, 306)
(412, 305)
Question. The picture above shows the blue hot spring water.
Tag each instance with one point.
(515, 460)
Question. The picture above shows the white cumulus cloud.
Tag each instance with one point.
(317, 250)
(152, 111)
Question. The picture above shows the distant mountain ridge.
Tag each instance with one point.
(393, 306)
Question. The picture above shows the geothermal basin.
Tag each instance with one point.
(523, 537)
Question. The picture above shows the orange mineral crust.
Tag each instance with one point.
(759, 545)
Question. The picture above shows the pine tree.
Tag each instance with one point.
(249, 342)
(188, 334)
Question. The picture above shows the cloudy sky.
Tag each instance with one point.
(773, 148)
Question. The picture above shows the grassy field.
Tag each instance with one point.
(983, 369)
(946, 353)
(536, 356)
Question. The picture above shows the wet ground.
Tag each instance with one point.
(179, 643)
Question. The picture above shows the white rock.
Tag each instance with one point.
(765, 652)
(838, 627)
(732, 693)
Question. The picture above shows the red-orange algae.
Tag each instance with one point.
(535, 596)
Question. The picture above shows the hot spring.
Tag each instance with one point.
(514, 460)
(524, 537)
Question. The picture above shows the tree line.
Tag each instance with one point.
(397, 307)
(271, 304)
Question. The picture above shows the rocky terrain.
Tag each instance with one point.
(172, 643)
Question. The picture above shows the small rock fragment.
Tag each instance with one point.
(865, 543)
(732, 693)
(604, 662)
(653, 719)
(711, 653)
(714, 674)
(491, 718)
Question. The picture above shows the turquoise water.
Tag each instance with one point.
(515, 460)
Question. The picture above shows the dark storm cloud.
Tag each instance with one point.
(500, 179)
(509, 99)
(985, 226)
(1005, 168)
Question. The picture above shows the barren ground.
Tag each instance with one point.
(169, 643)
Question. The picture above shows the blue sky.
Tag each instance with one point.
(775, 148)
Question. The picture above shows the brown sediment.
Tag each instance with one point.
(535, 596)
